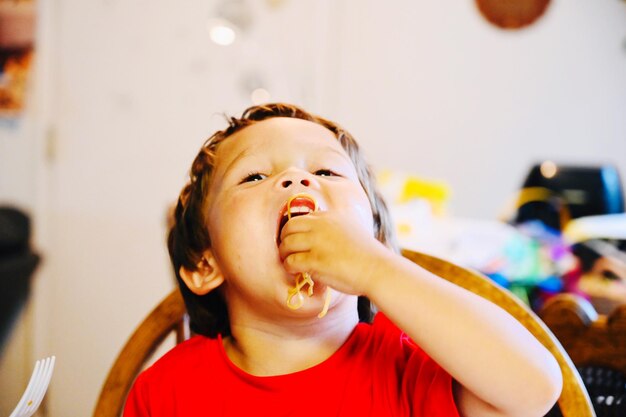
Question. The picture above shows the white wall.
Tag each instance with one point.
(427, 87)
(430, 88)
(136, 88)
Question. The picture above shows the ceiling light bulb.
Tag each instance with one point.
(221, 32)
(260, 96)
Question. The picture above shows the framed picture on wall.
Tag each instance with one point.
(17, 35)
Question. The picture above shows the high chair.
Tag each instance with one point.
(169, 315)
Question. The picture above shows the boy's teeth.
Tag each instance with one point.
(299, 209)
(298, 206)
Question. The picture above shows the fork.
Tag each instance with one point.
(36, 389)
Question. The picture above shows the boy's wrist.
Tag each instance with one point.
(376, 271)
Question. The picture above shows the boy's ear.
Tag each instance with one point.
(205, 278)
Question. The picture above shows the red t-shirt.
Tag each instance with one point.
(378, 372)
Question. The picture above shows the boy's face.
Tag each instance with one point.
(257, 170)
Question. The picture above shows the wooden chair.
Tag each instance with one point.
(168, 316)
(597, 346)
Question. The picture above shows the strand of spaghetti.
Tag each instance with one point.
(301, 281)
(326, 303)
(293, 292)
(304, 278)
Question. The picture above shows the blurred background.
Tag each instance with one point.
(119, 95)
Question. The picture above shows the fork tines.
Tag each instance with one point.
(36, 389)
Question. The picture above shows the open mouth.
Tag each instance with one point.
(297, 205)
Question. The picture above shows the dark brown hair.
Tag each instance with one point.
(189, 237)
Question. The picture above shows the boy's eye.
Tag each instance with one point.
(325, 173)
(255, 176)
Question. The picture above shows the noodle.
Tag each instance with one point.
(304, 278)
(301, 280)
(326, 303)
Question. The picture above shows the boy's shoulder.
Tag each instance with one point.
(194, 353)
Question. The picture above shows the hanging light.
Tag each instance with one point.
(221, 31)
(260, 96)
(231, 17)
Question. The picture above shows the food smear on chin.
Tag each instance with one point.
(304, 279)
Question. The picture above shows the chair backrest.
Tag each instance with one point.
(574, 400)
(597, 346)
(169, 316)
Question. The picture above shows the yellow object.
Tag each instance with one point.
(402, 188)
(404, 229)
(416, 188)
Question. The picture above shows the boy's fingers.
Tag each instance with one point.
(298, 224)
(294, 226)
(296, 262)
(293, 243)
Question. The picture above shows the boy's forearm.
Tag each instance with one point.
(484, 349)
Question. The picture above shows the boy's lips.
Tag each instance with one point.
(297, 205)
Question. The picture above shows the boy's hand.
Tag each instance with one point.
(334, 248)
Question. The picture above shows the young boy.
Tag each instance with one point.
(240, 243)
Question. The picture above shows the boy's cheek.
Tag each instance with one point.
(359, 214)
(365, 216)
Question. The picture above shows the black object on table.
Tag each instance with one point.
(17, 264)
(580, 190)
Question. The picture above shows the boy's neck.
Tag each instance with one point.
(266, 348)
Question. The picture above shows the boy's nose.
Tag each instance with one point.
(295, 177)
(288, 183)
